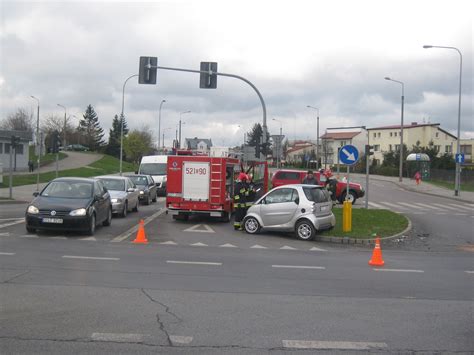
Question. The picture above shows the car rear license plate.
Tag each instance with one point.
(53, 220)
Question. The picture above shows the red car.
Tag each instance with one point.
(288, 177)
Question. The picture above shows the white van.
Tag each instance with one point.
(155, 165)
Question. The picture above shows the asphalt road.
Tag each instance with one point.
(200, 287)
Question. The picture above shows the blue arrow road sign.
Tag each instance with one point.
(348, 155)
(460, 158)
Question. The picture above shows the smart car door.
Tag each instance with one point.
(278, 207)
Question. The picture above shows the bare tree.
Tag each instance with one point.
(21, 120)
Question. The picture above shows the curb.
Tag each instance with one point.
(363, 241)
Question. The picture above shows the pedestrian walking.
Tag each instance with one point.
(418, 177)
(240, 200)
(310, 179)
(31, 167)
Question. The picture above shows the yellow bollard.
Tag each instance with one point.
(347, 216)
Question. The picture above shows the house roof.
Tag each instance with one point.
(25, 136)
(300, 147)
(413, 125)
(339, 135)
(192, 143)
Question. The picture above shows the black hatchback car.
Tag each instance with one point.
(75, 204)
(146, 187)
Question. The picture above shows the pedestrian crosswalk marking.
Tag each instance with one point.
(376, 205)
(317, 249)
(227, 246)
(410, 205)
(197, 229)
(445, 206)
(199, 245)
(169, 242)
(462, 207)
(92, 239)
(4, 234)
(428, 206)
(286, 247)
(391, 205)
(256, 246)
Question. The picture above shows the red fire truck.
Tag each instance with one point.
(200, 185)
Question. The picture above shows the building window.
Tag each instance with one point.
(395, 134)
(466, 149)
(437, 134)
(389, 147)
(7, 148)
(1, 148)
(19, 149)
(378, 134)
(391, 134)
(376, 147)
(343, 143)
(375, 135)
(438, 148)
(447, 149)
(397, 147)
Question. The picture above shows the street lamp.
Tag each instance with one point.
(122, 118)
(317, 138)
(164, 130)
(38, 143)
(180, 115)
(457, 182)
(279, 144)
(64, 134)
(400, 172)
(159, 123)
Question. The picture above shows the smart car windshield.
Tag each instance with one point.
(316, 194)
(114, 184)
(68, 189)
(139, 180)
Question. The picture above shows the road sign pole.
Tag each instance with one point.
(11, 172)
(57, 164)
(367, 181)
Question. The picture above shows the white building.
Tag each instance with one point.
(22, 151)
(334, 138)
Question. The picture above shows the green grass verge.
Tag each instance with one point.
(106, 165)
(45, 159)
(366, 222)
(450, 185)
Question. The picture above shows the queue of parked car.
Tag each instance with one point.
(81, 204)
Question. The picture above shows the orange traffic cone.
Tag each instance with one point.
(141, 236)
(377, 259)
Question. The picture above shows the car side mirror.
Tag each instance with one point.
(131, 189)
(36, 194)
(297, 200)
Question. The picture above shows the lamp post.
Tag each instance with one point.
(180, 115)
(279, 144)
(159, 123)
(64, 134)
(122, 118)
(163, 142)
(457, 182)
(317, 138)
(38, 143)
(400, 172)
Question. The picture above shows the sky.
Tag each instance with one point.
(332, 55)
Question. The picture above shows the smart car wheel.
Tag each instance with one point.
(305, 230)
(251, 225)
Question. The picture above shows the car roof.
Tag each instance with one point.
(291, 171)
(299, 186)
(134, 175)
(90, 180)
(112, 177)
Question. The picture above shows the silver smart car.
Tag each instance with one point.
(303, 209)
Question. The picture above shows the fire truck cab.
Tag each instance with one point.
(200, 185)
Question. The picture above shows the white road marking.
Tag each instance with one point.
(399, 270)
(169, 242)
(12, 219)
(18, 221)
(193, 262)
(376, 205)
(87, 257)
(227, 246)
(62, 238)
(470, 209)
(4, 234)
(460, 214)
(256, 246)
(440, 213)
(28, 236)
(391, 205)
(286, 247)
(298, 267)
(428, 206)
(118, 337)
(196, 229)
(179, 339)
(199, 244)
(445, 206)
(92, 239)
(469, 272)
(317, 249)
(410, 205)
(416, 212)
(132, 230)
(7, 253)
(328, 345)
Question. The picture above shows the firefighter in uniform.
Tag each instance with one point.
(240, 200)
(250, 193)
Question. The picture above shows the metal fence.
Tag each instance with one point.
(467, 176)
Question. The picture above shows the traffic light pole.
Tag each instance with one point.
(366, 181)
(210, 72)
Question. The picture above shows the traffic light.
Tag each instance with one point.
(257, 150)
(208, 81)
(14, 142)
(369, 150)
(55, 142)
(147, 70)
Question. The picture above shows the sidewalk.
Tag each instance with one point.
(425, 188)
(72, 161)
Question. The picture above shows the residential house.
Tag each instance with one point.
(387, 138)
(466, 146)
(198, 144)
(334, 138)
(299, 150)
(21, 158)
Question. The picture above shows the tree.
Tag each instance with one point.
(113, 146)
(18, 121)
(254, 137)
(90, 127)
(137, 144)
